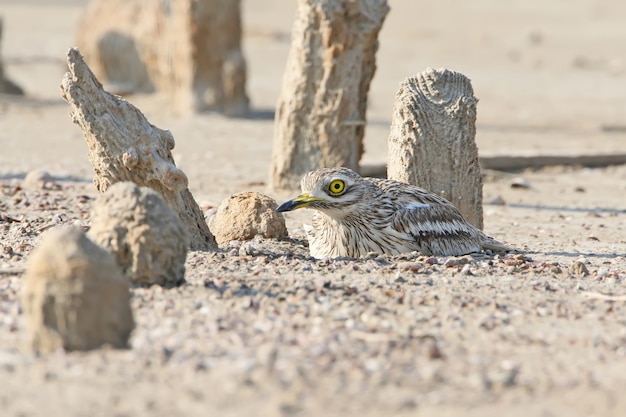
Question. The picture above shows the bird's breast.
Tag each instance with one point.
(354, 237)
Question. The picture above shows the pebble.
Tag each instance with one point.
(455, 261)
(466, 270)
(247, 249)
(555, 269)
(496, 201)
(602, 272)
(38, 179)
(520, 183)
(579, 268)
(410, 266)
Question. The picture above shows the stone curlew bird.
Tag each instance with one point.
(356, 216)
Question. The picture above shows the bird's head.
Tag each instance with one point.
(333, 191)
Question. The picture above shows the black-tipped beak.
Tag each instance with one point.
(301, 201)
(287, 206)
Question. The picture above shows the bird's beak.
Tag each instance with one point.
(303, 200)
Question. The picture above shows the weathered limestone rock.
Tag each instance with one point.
(431, 143)
(124, 146)
(320, 119)
(75, 296)
(7, 86)
(145, 235)
(245, 215)
(189, 49)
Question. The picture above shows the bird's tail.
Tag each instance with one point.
(492, 244)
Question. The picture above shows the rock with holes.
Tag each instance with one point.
(146, 236)
(321, 111)
(125, 146)
(245, 215)
(74, 295)
(432, 139)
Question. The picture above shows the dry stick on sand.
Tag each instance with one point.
(431, 143)
(124, 146)
(320, 118)
(604, 297)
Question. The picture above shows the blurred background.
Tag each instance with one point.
(550, 78)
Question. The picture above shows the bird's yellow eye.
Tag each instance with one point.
(336, 187)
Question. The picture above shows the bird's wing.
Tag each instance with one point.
(423, 219)
(434, 223)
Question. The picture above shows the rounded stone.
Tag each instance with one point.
(146, 236)
(74, 295)
(242, 216)
(37, 179)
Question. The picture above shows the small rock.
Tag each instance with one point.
(410, 266)
(520, 183)
(602, 272)
(432, 348)
(450, 262)
(38, 179)
(496, 201)
(556, 269)
(455, 261)
(146, 236)
(234, 244)
(371, 365)
(535, 37)
(466, 270)
(579, 268)
(75, 296)
(248, 249)
(242, 216)
(399, 279)
(209, 213)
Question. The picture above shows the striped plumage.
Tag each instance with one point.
(356, 216)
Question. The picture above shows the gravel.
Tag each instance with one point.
(263, 329)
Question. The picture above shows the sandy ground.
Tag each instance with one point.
(271, 332)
